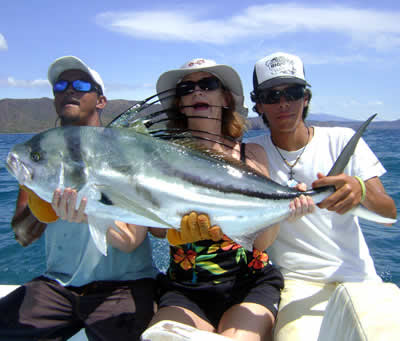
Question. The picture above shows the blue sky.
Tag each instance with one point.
(351, 49)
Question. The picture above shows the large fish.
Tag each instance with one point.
(136, 178)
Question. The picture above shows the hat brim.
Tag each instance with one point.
(228, 76)
(271, 83)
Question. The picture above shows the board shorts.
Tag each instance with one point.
(107, 310)
(209, 301)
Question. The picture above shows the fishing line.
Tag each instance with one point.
(209, 105)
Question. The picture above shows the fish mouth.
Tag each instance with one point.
(18, 169)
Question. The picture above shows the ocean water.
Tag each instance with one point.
(19, 265)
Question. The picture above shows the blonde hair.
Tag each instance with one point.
(233, 124)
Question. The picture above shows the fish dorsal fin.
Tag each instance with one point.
(157, 117)
(150, 116)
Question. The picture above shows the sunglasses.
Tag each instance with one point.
(78, 85)
(206, 84)
(274, 96)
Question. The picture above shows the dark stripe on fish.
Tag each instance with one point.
(37, 150)
(105, 200)
(72, 138)
(206, 182)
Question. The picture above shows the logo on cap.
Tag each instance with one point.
(281, 65)
(196, 62)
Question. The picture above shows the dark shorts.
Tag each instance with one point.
(210, 301)
(110, 310)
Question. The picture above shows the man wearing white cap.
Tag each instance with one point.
(111, 296)
(324, 248)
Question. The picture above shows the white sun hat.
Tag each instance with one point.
(278, 69)
(72, 63)
(227, 75)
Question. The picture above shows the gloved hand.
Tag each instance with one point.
(194, 227)
(41, 209)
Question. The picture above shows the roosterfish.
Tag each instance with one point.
(129, 175)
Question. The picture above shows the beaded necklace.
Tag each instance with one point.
(292, 181)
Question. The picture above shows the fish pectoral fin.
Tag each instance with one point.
(98, 230)
(362, 212)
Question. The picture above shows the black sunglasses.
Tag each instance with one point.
(274, 96)
(206, 84)
(78, 85)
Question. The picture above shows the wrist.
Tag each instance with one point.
(363, 188)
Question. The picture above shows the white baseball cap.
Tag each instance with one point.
(277, 69)
(72, 63)
(227, 75)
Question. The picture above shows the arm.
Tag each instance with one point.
(348, 195)
(256, 158)
(27, 228)
(158, 232)
(128, 236)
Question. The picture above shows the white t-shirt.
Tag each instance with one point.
(322, 246)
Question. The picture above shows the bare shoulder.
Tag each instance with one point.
(256, 152)
(257, 158)
(255, 148)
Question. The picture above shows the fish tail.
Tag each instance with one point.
(348, 150)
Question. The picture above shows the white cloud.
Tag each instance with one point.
(371, 28)
(376, 103)
(15, 83)
(3, 43)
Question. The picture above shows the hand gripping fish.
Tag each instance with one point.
(139, 179)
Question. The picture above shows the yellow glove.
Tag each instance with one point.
(194, 227)
(41, 209)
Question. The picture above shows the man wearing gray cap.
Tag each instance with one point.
(111, 296)
(322, 249)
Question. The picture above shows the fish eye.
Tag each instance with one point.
(35, 156)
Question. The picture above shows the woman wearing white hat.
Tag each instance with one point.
(213, 283)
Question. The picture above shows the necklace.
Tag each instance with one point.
(292, 181)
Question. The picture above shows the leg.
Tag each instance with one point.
(183, 315)
(176, 306)
(301, 310)
(247, 321)
(39, 309)
(117, 313)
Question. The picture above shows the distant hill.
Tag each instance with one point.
(326, 117)
(325, 120)
(38, 114)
